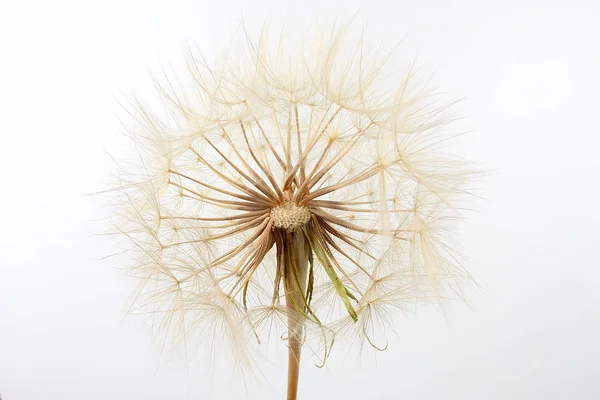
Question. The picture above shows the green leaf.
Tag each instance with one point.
(311, 281)
(342, 291)
(349, 293)
(244, 294)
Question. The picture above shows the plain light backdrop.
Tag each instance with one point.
(530, 74)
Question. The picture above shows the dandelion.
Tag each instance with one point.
(300, 187)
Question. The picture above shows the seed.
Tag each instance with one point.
(289, 216)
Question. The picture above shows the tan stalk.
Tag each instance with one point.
(341, 222)
(299, 142)
(212, 219)
(216, 189)
(265, 170)
(291, 175)
(240, 186)
(269, 143)
(352, 181)
(216, 201)
(259, 183)
(295, 280)
(315, 176)
(288, 146)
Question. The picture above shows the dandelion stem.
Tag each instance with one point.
(295, 256)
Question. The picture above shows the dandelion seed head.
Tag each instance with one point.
(303, 181)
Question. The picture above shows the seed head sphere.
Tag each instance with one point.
(299, 186)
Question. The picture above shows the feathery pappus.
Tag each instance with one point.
(300, 186)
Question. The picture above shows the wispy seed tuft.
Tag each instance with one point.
(296, 186)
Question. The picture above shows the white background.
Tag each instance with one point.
(530, 73)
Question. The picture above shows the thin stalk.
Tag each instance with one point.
(295, 256)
